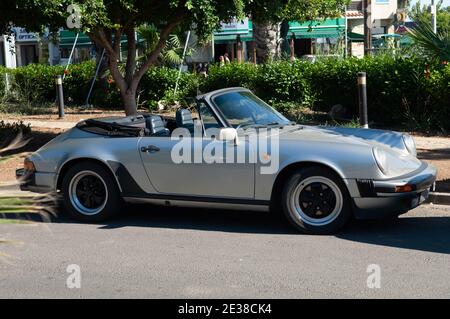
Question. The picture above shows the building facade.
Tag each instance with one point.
(383, 18)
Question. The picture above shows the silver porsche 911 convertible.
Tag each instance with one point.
(231, 150)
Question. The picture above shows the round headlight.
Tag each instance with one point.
(381, 159)
(410, 144)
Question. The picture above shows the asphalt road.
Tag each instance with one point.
(174, 253)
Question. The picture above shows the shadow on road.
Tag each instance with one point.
(428, 233)
(200, 219)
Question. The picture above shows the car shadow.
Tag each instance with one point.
(427, 233)
(200, 219)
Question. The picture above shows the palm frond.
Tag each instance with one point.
(435, 45)
(172, 57)
(174, 41)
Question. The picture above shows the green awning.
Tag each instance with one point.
(224, 38)
(328, 28)
(67, 38)
(355, 37)
(313, 34)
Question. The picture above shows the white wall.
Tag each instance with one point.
(384, 9)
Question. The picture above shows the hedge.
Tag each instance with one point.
(397, 87)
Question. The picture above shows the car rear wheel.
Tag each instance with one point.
(90, 192)
(316, 201)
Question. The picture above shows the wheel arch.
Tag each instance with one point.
(70, 163)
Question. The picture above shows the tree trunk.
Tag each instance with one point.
(129, 82)
(129, 102)
(267, 39)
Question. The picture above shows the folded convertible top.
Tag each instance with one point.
(112, 129)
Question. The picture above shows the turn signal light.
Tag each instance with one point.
(28, 165)
(403, 189)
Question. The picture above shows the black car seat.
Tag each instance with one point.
(155, 125)
(184, 119)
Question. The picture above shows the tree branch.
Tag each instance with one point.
(99, 37)
(163, 36)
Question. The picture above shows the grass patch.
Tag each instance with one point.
(6, 221)
(16, 205)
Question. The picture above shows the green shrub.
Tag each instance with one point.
(229, 75)
(34, 83)
(2, 82)
(283, 81)
(158, 83)
(397, 88)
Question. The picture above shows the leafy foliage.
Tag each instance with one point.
(434, 45)
(105, 22)
(171, 54)
(421, 13)
(398, 89)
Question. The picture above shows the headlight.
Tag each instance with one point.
(410, 144)
(382, 159)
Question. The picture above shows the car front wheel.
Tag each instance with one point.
(90, 192)
(316, 201)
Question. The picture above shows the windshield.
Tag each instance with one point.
(244, 109)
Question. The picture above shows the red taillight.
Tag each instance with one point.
(28, 165)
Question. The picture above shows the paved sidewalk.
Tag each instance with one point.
(47, 124)
(422, 142)
(432, 143)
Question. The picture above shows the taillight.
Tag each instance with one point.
(28, 165)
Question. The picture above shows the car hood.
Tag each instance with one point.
(362, 141)
(346, 135)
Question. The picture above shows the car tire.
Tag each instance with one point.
(90, 192)
(315, 200)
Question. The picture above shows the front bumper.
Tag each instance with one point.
(37, 182)
(380, 199)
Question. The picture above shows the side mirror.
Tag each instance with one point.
(228, 134)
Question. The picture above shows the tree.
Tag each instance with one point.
(421, 14)
(270, 18)
(106, 22)
(433, 45)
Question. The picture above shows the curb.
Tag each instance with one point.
(439, 198)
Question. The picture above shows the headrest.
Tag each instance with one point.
(184, 118)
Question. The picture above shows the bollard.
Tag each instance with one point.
(362, 94)
(59, 91)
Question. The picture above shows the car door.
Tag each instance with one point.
(215, 175)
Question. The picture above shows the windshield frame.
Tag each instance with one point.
(225, 121)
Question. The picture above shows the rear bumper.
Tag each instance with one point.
(380, 199)
(36, 181)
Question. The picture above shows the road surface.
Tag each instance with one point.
(152, 252)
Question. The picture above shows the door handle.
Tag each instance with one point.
(150, 149)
